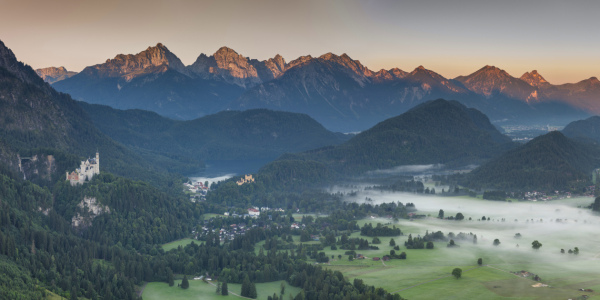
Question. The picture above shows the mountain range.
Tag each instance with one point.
(336, 90)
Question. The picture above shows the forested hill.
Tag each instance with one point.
(548, 162)
(37, 121)
(228, 135)
(110, 251)
(436, 132)
(587, 130)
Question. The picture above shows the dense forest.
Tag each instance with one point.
(227, 135)
(434, 132)
(548, 162)
(119, 249)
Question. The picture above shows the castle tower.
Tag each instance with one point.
(97, 166)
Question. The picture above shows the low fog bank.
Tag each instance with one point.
(408, 170)
(211, 179)
(557, 225)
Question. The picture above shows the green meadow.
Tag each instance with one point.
(201, 290)
(426, 273)
(177, 243)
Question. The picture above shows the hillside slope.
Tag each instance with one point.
(52, 128)
(228, 135)
(436, 132)
(548, 162)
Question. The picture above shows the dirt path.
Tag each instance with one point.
(490, 266)
(142, 290)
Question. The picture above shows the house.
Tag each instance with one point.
(376, 258)
(386, 258)
(253, 212)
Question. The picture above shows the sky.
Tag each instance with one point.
(560, 39)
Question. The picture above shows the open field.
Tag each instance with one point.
(201, 290)
(177, 243)
(425, 274)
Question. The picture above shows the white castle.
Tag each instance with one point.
(86, 171)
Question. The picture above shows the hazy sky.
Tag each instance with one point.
(558, 38)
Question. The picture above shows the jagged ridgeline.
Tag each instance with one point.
(52, 129)
(548, 162)
(436, 132)
(228, 135)
(339, 92)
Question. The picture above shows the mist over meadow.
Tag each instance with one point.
(561, 224)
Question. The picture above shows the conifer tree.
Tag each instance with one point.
(185, 283)
(224, 289)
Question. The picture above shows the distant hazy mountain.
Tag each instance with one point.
(155, 80)
(551, 161)
(490, 81)
(435, 132)
(587, 130)
(54, 74)
(228, 65)
(337, 91)
(228, 135)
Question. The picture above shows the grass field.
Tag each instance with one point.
(425, 274)
(177, 243)
(201, 290)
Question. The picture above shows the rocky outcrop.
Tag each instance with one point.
(388, 75)
(156, 59)
(54, 74)
(87, 210)
(534, 79)
(226, 64)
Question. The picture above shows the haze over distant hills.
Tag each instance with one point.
(434, 132)
(53, 74)
(551, 161)
(336, 90)
(256, 134)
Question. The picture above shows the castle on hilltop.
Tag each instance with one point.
(86, 171)
(245, 179)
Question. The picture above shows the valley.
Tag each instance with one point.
(283, 167)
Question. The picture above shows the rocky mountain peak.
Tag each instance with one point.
(226, 52)
(228, 65)
(490, 71)
(398, 73)
(594, 80)
(155, 59)
(299, 61)
(54, 74)
(354, 68)
(420, 70)
(389, 75)
(534, 78)
(490, 80)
